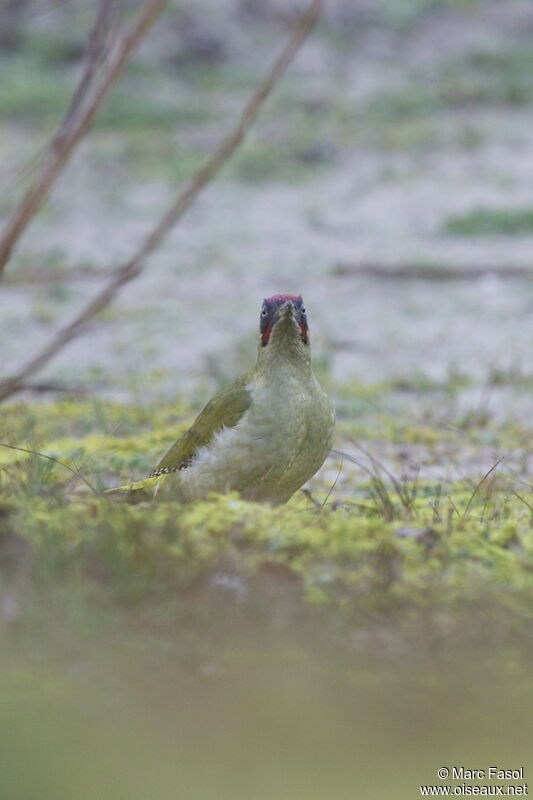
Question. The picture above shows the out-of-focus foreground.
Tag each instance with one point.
(379, 627)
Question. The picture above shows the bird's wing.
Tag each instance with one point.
(223, 411)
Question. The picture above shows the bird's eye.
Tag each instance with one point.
(264, 312)
(303, 310)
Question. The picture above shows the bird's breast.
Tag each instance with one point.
(281, 440)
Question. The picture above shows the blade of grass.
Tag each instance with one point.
(50, 458)
(334, 484)
(480, 484)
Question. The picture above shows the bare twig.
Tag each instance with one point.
(131, 268)
(94, 56)
(95, 53)
(75, 125)
(42, 387)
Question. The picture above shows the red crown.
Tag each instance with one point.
(284, 297)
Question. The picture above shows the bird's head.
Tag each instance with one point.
(283, 327)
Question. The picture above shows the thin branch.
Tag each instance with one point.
(42, 387)
(94, 56)
(95, 53)
(131, 268)
(72, 130)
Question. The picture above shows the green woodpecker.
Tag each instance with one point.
(264, 435)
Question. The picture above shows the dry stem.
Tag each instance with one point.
(79, 115)
(131, 268)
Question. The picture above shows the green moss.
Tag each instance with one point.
(116, 605)
(387, 545)
(343, 557)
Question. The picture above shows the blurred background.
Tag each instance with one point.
(389, 180)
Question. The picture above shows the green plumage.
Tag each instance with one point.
(224, 410)
(264, 435)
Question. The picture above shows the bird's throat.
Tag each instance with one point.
(285, 353)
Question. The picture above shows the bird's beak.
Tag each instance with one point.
(286, 323)
(286, 311)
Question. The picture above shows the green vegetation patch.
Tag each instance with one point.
(215, 616)
(483, 78)
(384, 544)
(29, 94)
(491, 222)
(349, 559)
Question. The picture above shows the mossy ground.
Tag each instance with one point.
(301, 630)
(385, 535)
